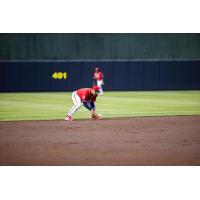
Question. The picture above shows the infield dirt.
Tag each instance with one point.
(122, 141)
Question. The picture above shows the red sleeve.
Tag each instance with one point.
(95, 75)
(102, 75)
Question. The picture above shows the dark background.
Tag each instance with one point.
(128, 61)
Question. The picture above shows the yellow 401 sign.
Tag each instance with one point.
(59, 75)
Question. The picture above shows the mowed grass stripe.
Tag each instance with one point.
(55, 105)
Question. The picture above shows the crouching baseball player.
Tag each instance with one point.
(85, 97)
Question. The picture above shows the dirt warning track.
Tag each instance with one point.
(127, 141)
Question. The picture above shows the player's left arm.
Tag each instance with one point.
(92, 108)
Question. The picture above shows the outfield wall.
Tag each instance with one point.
(21, 76)
(99, 46)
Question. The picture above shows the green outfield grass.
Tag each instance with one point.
(55, 105)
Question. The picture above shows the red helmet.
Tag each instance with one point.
(96, 88)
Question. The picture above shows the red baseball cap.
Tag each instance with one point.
(96, 88)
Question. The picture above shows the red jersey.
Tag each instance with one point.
(98, 75)
(86, 95)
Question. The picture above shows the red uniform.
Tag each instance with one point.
(86, 95)
(98, 76)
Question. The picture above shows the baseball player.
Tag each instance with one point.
(85, 97)
(98, 79)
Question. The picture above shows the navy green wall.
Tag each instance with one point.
(119, 75)
(99, 46)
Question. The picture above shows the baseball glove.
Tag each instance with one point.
(95, 116)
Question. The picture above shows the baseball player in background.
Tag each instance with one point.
(85, 97)
(98, 79)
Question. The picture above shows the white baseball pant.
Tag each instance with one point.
(99, 84)
(77, 103)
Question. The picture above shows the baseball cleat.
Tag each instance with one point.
(68, 118)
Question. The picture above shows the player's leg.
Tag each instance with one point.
(99, 84)
(77, 104)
